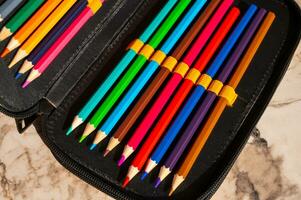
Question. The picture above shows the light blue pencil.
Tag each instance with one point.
(7, 7)
(130, 96)
(118, 70)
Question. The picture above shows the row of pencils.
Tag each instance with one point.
(181, 73)
(40, 29)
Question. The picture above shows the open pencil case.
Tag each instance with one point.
(53, 100)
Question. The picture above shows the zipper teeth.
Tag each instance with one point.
(90, 178)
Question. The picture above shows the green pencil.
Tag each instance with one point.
(109, 102)
(19, 18)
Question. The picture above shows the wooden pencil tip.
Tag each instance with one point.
(5, 33)
(18, 57)
(171, 192)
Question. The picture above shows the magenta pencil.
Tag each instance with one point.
(63, 40)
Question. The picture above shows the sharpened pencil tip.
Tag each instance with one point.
(69, 131)
(93, 146)
(82, 138)
(121, 160)
(25, 84)
(144, 175)
(5, 52)
(157, 182)
(107, 151)
(18, 75)
(126, 182)
(170, 193)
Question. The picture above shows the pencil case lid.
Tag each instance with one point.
(103, 34)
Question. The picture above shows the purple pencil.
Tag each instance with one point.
(201, 112)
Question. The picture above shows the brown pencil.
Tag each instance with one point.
(221, 104)
(165, 70)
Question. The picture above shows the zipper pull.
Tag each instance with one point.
(23, 124)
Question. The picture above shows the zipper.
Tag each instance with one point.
(21, 115)
(80, 171)
(94, 180)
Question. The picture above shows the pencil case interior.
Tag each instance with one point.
(55, 98)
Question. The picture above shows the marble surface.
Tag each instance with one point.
(267, 169)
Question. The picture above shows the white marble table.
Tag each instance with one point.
(268, 168)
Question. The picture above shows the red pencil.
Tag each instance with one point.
(189, 82)
(172, 84)
(178, 99)
(175, 80)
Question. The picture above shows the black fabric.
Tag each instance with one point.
(74, 61)
(98, 57)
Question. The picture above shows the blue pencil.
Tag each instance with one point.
(207, 102)
(197, 93)
(147, 73)
(48, 41)
(119, 69)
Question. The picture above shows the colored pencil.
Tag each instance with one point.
(154, 137)
(134, 69)
(30, 26)
(51, 38)
(147, 73)
(19, 18)
(173, 82)
(63, 40)
(119, 69)
(42, 31)
(200, 141)
(206, 104)
(8, 7)
(159, 79)
(178, 122)
(186, 86)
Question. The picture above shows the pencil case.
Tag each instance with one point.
(51, 102)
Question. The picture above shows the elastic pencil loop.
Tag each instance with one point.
(193, 75)
(182, 69)
(94, 5)
(170, 63)
(205, 81)
(147, 51)
(158, 57)
(229, 94)
(136, 45)
(216, 86)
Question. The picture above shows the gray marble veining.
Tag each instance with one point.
(28, 170)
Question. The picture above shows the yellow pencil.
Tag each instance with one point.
(42, 31)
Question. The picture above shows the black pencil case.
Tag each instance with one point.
(52, 101)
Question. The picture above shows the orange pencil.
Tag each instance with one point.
(42, 31)
(221, 104)
(29, 27)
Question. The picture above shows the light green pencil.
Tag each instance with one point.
(129, 56)
(135, 68)
(19, 18)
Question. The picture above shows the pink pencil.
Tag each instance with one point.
(63, 40)
(174, 81)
